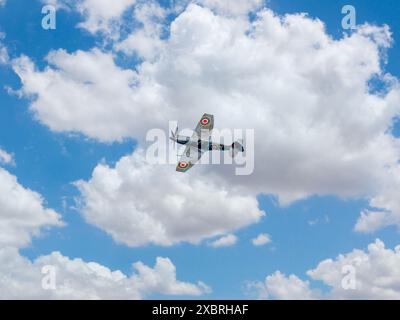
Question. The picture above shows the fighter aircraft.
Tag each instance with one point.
(200, 142)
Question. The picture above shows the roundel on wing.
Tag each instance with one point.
(205, 121)
(183, 164)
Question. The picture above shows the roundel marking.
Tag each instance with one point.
(183, 164)
(205, 121)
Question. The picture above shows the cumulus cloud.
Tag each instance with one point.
(162, 279)
(87, 81)
(371, 274)
(77, 279)
(319, 126)
(386, 204)
(23, 216)
(261, 239)
(99, 16)
(232, 7)
(225, 241)
(22, 212)
(278, 286)
(145, 41)
(102, 15)
(5, 157)
(132, 204)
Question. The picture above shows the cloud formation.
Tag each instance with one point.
(145, 40)
(132, 204)
(261, 239)
(320, 125)
(5, 157)
(99, 16)
(22, 213)
(371, 274)
(102, 15)
(225, 241)
(4, 57)
(77, 279)
(232, 8)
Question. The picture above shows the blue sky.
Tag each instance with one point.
(48, 162)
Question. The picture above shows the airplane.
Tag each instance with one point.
(200, 142)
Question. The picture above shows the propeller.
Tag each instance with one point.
(174, 136)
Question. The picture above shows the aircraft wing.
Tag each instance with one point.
(188, 159)
(204, 127)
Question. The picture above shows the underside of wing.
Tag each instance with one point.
(204, 127)
(188, 159)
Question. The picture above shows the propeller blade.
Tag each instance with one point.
(174, 136)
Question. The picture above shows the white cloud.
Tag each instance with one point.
(132, 203)
(225, 241)
(261, 239)
(306, 94)
(280, 287)
(162, 279)
(77, 279)
(370, 221)
(2, 2)
(376, 276)
(4, 58)
(5, 157)
(102, 15)
(386, 203)
(22, 212)
(145, 41)
(60, 4)
(23, 216)
(232, 7)
(3, 55)
(89, 83)
(325, 219)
